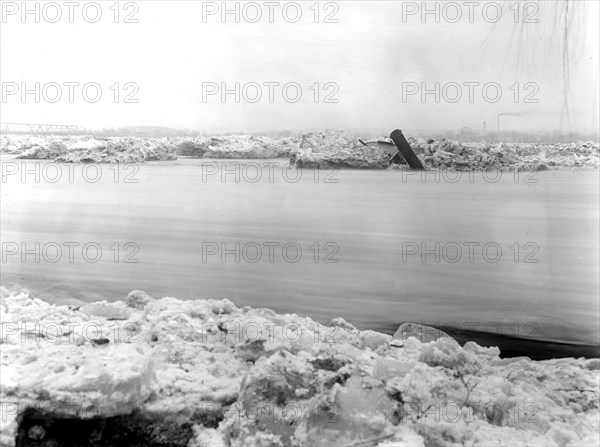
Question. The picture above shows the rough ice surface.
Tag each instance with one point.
(521, 156)
(242, 147)
(86, 149)
(90, 150)
(314, 150)
(337, 148)
(207, 373)
(235, 146)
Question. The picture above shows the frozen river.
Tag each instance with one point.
(501, 254)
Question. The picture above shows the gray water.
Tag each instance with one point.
(370, 219)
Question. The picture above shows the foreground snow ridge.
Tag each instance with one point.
(169, 372)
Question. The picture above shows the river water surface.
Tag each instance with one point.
(362, 236)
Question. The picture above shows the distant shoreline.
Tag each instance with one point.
(317, 150)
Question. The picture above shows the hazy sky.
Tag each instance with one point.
(365, 61)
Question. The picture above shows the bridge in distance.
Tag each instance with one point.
(39, 129)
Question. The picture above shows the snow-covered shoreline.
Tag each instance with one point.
(315, 150)
(204, 372)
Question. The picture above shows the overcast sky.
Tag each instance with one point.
(365, 61)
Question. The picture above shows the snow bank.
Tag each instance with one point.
(205, 372)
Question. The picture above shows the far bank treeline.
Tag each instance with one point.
(324, 149)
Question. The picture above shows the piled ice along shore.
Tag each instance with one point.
(207, 373)
(337, 148)
(82, 149)
(325, 149)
